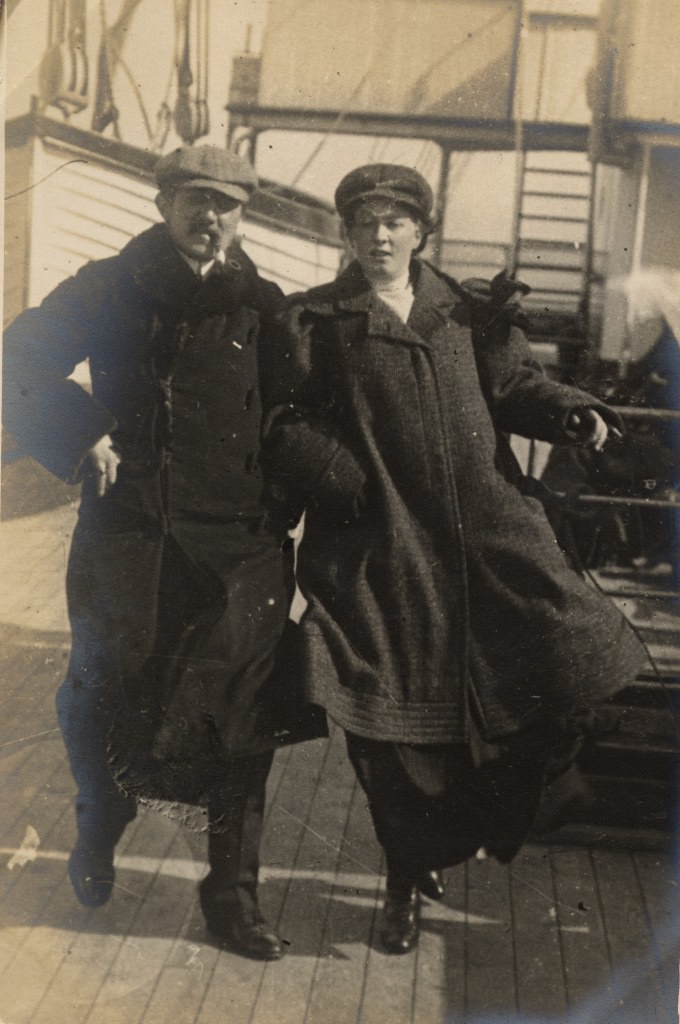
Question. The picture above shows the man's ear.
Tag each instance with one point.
(163, 203)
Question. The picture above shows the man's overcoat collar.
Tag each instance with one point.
(160, 271)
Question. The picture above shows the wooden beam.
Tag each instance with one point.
(455, 134)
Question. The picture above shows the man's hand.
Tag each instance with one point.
(587, 427)
(102, 462)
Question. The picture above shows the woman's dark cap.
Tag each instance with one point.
(393, 182)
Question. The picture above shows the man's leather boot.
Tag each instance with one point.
(238, 924)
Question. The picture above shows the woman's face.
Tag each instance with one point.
(384, 236)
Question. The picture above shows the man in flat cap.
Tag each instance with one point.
(177, 589)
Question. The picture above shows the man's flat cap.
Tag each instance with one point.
(207, 167)
(394, 182)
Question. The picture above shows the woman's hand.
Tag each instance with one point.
(587, 427)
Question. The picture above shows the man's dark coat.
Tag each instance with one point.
(174, 366)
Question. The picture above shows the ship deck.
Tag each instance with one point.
(584, 930)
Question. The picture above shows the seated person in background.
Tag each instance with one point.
(643, 464)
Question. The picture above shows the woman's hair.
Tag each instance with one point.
(426, 225)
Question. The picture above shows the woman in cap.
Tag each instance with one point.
(445, 631)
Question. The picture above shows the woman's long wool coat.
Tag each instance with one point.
(437, 594)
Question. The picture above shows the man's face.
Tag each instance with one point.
(201, 221)
(384, 236)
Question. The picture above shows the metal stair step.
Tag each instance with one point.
(561, 219)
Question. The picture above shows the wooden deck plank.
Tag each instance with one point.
(32, 778)
(171, 941)
(454, 933)
(385, 990)
(295, 789)
(585, 954)
(659, 881)
(27, 723)
(35, 793)
(41, 912)
(536, 940)
(232, 988)
(430, 993)
(287, 823)
(338, 983)
(441, 955)
(302, 923)
(30, 680)
(490, 982)
(389, 986)
(278, 770)
(146, 919)
(92, 952)
(33, 562)
(48, 811)
(636, 970)
(179, 990)
(24, 659)
(59, 923)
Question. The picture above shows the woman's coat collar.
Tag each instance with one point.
(434, 304)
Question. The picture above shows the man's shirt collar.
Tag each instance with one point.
(201, 269)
